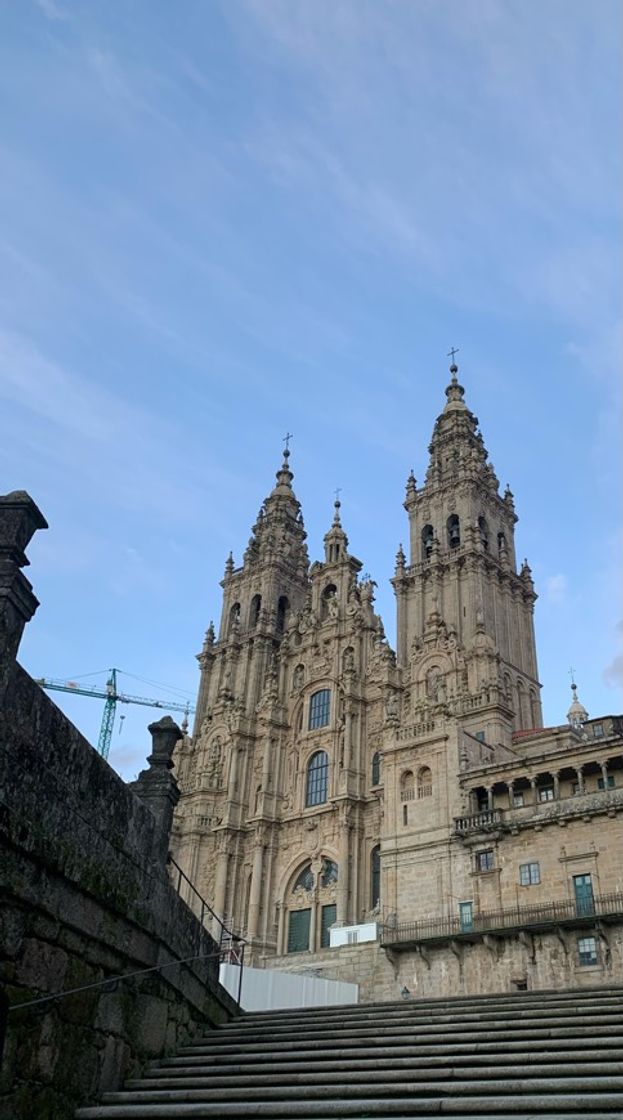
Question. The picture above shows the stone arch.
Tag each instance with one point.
(407, 785)
(424, 782)
(254, 611)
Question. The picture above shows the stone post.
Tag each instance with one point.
(157, 787)
(19, 520)
(255, 898)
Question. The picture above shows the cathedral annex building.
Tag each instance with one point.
(401, 818)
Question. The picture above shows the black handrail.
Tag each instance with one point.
(112, 981)
(229, 941)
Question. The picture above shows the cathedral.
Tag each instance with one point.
(401, 818)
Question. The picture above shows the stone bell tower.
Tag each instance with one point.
(258, 598)
(462, 574)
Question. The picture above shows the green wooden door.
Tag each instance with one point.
(298, 931)
(584, 901)
(327, 918)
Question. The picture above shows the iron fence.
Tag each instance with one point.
(564, 911)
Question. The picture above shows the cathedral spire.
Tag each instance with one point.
(336, 541)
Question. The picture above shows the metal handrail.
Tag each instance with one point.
(112, 981)
(229, 942)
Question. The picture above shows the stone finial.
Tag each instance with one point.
(400, 560)
(229, 565)
(19, 520)
(157, 787)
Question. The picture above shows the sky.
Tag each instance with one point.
(229, 219)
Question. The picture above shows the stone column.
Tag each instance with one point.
(604, 773)
(490, 799)
(19, 520)
(580, 774)
(343, 880)
(220, 886)
(157, 787)
(556, 786)
(255, 897)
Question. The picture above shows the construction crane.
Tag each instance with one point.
(112, 697)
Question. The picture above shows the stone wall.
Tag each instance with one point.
(85, 894)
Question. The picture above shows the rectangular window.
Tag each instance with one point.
(587, 950)
(328, 915)
(583, 890)
(602, 785)
(529, 874)
(518, 799)
(598, 730)
(298, 931)
(484, 860)
(575, 788)
(405, 814)
(466, 916)
(546, 793)
(319, 709)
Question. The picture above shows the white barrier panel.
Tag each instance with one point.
(264, 989)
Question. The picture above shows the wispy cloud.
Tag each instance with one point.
(556, 588)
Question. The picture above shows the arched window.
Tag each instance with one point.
(483, 530)
(317, 779)
(319, 709)
(520, 713)
(254, 611)
(428, 535)
(304, 880)
(501, 543)
(453, 526)
(283, 606)
(375, 877)
(376, 768)
(424, 782)
(329, 873)
(234, 617)
(534, 708)
(407, 786)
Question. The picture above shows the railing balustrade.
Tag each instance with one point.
(516, 917)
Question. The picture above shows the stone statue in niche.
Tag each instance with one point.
(391, 705)
(298, 678)
(333, 607)
(433, 679)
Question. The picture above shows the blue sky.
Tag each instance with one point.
(226, 219)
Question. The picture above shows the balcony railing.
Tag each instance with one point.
(565, 912)
(584, 802)
(478, 822)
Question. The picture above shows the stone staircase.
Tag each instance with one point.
(529, 1054)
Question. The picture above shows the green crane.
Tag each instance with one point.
(112, 697)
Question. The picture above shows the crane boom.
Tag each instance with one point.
(112, 697)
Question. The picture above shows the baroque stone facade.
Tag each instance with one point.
(330, 781)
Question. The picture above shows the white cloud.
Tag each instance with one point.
(556, 588)
(51, 10)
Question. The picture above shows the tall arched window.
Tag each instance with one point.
(376, 768)
(424, 782)
(534, 708)
(317, 779)
(283, 606)
(428, 535)
(254, 612)
(454, 531)
(483, 530)
(375, 877)
(319, 709)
